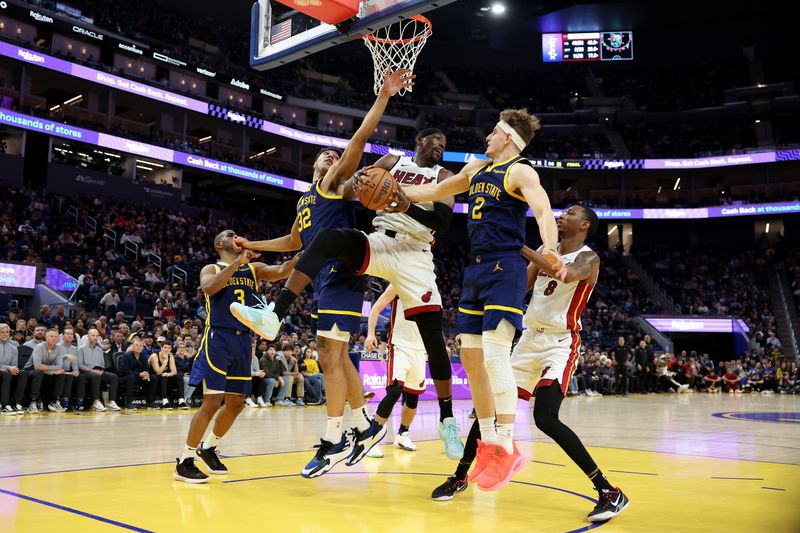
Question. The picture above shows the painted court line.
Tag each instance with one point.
(774, 488)
(629, 472)
(740, 478)
(76, 511)
(546, 463)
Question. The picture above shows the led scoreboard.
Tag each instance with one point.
(587, 46)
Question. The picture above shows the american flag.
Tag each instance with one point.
(281, 31)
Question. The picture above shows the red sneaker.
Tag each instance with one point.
(482, 459)
(502, 466)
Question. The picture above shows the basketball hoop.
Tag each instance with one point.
(397, 46)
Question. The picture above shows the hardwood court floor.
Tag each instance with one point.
(688, 463)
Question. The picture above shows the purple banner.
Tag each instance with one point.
(58, 280)
(710, 162)
(48, 126)
(373, 376)
(753, 209)
(13, 276)
(326, 140)
(694, 324)
(104, 78)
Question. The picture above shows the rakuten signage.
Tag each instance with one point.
(373, 377)
(695, 324)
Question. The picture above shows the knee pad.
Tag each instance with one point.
(393, 393)
(497, 358)
(410, 400)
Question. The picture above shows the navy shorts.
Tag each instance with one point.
(339, 296)
(493, 289)
(223, 361)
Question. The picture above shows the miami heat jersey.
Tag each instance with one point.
(556, 305)
(403, 332)
(242, 287)
(407, 172)
(317, 210)
(496, 216)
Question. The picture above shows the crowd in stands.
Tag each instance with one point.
(693, 138)
(719, 280)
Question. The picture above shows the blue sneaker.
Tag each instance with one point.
(364, 441)
(259, 318)
(327, 456)
(448, 432)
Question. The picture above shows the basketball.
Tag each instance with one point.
(376, 188)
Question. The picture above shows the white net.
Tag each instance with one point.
(397, 46)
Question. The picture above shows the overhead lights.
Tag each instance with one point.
(677, 184)
(74, 100)
(498, 8)
(205, 139)
(612, 230)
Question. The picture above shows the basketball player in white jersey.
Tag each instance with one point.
(399, 251)
(547, 353)
(405, 367)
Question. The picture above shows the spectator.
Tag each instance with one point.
(183, 364)
(712, 380)
(134, 369)
(110, 301)
(67, 342)
(164, 372)
(118, 342)
(258, 376)
(9, 373)
(621, 355)
(273, 375)
(47, 365)
(313, 376)
(643, 369)
(45, 316)
(731, 380)
(38, 336)
(92, 366)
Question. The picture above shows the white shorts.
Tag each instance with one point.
(539, 359)
(407, 263)
(407, 366)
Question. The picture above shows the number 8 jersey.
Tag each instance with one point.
(557, 306)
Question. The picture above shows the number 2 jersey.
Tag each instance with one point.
(556, 305)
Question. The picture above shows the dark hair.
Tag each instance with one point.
(428, 131)
(591, 216)
(328, 149)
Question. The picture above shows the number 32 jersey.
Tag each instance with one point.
(556, 305)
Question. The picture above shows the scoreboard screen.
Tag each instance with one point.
(587, 46)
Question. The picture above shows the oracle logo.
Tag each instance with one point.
(88, 33)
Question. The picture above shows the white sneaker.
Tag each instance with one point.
(182, 404)
(267, 404)
(33, 408)
(18, 408)
(376, 452)
(402, 440)
(55, 407)
(260, 318)
(684, 388)
(8, 410)
(165, 404)
(260, 402)
(98, 406)
(112, 405)
(249, 403)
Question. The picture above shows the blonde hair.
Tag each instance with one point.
(523, 123)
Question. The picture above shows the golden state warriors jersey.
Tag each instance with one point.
(496, 216)
(242, 287)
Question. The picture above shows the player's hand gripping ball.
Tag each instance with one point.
(376, 186)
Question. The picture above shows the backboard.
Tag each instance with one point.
(275, 42)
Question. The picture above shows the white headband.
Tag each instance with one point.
(503, 125)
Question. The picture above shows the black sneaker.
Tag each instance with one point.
(473, 414)
(153, 406)
(448, 490)
(609, 504)
(209, 457)
(328, 455)
(188, 472)
(363, 441)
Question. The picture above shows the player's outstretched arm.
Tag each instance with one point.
(211, 281)
(380, 304)
(438, 191)
(287, 243)
(275, 272)
(526, 180)
(351, 157)
(585, 267)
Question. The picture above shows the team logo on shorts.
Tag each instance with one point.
(497, 267)
(427, 296)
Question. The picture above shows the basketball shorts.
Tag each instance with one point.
(339, 296)
(407, 263)
(493, 290)
(406, 365)
(223, 361)
(540, 358)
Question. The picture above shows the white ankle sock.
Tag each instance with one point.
(333, 431)
(488, 430)
(188, 452)
(363, 418)
(211, 441)
(505, 436)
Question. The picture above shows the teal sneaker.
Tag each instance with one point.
(259, 318)
(449, 433)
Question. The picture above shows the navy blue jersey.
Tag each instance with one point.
(317, 210)
(242, 287)
(496, 217)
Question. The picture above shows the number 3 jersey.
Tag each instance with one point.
(556, 305)
(242, 287)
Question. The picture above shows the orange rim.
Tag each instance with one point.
(419, 18)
